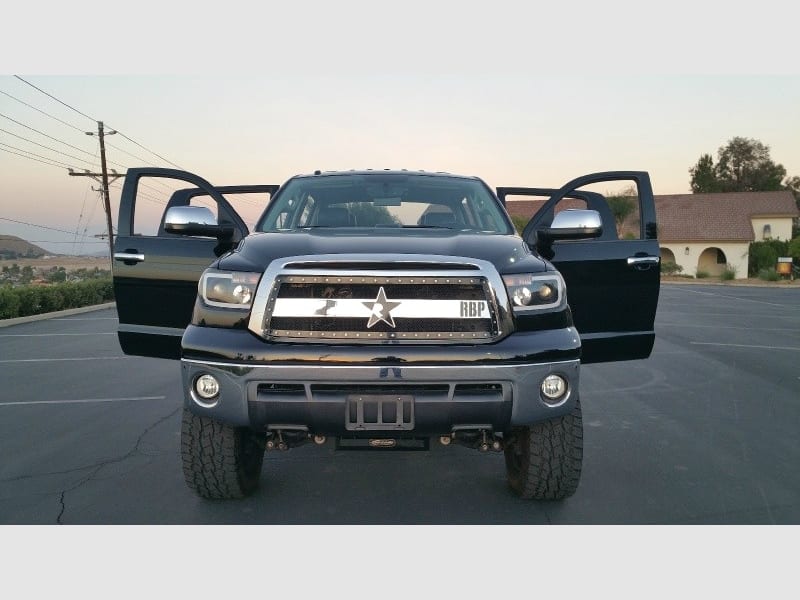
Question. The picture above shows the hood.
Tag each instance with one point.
(508, 253)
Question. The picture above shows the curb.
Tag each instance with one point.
(734, 285)
(52, 315)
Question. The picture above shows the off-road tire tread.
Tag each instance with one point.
(220, 461)
(550, 458)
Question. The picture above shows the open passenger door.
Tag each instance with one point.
(613, 274)
(156, 267)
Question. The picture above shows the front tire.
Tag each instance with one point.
(543, 461)
(220, 461)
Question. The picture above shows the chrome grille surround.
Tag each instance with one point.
(382, 269)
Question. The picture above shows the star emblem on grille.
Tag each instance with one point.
(381, 309)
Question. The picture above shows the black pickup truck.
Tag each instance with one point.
(385, 309)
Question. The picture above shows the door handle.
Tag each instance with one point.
(643, 261)
(129, 258)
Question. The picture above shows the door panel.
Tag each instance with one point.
(155, 272)
(613, 280)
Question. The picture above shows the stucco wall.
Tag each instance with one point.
(735, 255)
(781, 227)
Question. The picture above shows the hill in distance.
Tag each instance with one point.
(14, 247)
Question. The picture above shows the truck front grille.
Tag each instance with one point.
(348, 307)
(374, 300)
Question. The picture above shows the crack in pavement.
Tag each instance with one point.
(63, 507)
(96, 468)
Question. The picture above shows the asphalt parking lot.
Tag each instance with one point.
(705, 431)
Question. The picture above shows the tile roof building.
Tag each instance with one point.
(706, 232)
(712, 232)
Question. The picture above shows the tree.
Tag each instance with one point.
(793, 184)
(743, 165)
(794, 248)
(622, 205)
(704, 179)
(27, 274)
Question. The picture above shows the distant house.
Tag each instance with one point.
(705, 232)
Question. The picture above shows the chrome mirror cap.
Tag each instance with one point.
(189, 215)
(574, 218)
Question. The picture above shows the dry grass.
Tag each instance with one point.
(70, 263)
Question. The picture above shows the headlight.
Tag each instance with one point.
(528, 291)
(229, 289)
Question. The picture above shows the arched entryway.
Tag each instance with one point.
(713, 261)
(667, 255)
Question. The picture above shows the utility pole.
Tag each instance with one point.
(103, 179)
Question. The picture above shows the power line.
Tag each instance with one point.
(150, 151)
(56, 99)
(39, 155)
(42, 146)
(80, 215)
(144, 160)
(35, 225)
(65, 123)
(45, 135)
(90, 118)
(78, 129)
(88, 221)
(30, 158)
(146, 196)
(41, 111)
(12, 238)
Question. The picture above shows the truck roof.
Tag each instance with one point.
(319, 173)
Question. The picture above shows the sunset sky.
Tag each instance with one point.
(509, 124)
(517, 93)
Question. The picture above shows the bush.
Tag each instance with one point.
(52, 298)
(768, 274)
(764, 255)
(702, 274)
(729, 274)
(9, 303)
(36, 299)
(670, 268)
(29, 300)
(519, 223)
(794, 249)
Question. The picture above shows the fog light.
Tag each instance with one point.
(554, 387)
(206, 386)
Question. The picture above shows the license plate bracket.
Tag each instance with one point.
(379, 412)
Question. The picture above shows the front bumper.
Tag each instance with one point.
(314, 386)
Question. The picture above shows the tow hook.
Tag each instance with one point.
(276, 442)
(283, 439)
(478, 439)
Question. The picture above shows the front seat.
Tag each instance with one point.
(438, 219)
(334, 216)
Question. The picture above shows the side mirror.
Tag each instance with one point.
(195, 220)
(570, 224)
(573, 224)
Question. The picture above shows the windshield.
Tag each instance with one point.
(385, 200)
